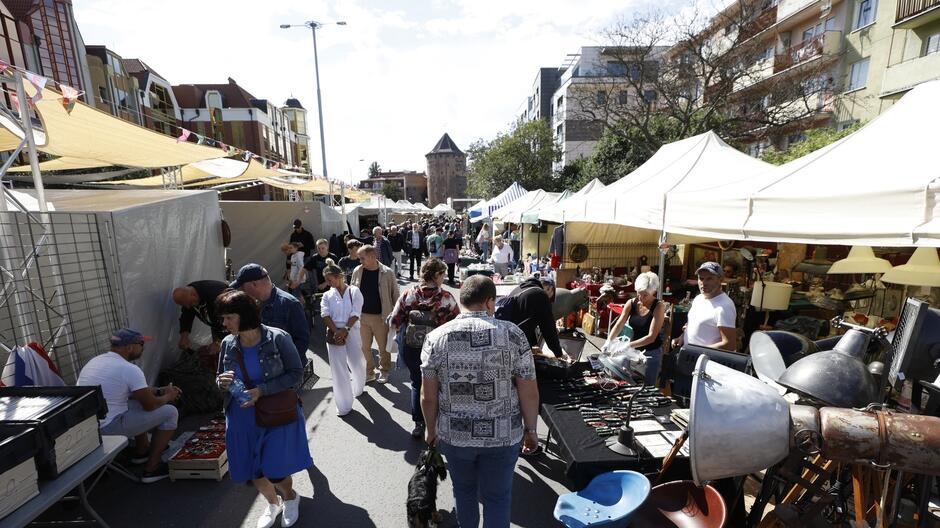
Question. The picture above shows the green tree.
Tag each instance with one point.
(524, 154)
(815, 139)
(392, 192)
(374, 169)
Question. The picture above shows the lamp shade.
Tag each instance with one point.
(861, 259)
(771, 295)
(923, 269)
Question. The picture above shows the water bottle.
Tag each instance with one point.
(237, 390)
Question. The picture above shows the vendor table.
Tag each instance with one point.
(52, 491)
(584, 452)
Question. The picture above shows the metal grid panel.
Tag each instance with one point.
(616, 255)
(55, 287)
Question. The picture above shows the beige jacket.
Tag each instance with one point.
(388, 287)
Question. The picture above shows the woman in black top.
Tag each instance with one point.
(645, 314)
(452, 245)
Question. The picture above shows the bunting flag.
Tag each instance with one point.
(247, 156)
(184, 135)
(223, 146)
(15, 101)
(4, 66)
(200, 140)
(38, 82)
(69, 97)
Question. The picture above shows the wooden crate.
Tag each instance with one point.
(201, 468)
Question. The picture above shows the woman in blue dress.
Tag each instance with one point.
(267, 456)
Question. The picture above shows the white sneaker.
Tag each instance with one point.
(381, 378)
(291, 511)
(269, 515)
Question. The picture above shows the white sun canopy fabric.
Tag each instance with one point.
(481, 212)
(442, 209)
(532, 215)
(556, 213)
(876, 187)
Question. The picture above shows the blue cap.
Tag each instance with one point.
(248, 273)
(127, 336)
(710, 267)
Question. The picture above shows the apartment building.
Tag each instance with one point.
(791, 53)
(159, 110)
(891, 47)
(592, 84)
(538, 105)
(413, 184)
(113, 89)
(229, 113)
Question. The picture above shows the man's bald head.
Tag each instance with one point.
(186, 296)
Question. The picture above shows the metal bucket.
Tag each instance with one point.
(738, 424)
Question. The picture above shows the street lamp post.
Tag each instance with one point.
(313, 25)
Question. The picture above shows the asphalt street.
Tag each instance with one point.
(362, 464)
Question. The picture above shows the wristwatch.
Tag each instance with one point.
(528, 430)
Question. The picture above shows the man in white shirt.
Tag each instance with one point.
(501, 257)
(712, 317)
(134, 408)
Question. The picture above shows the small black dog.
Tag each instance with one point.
(422, 490)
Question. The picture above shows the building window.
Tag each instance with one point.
(213, 99)
(616, 69)
(865, 13)
(858, 75)
(623, 97)
(932, 44)
(650, 96)
(600, 97)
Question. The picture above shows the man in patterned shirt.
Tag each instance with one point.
(480, 399)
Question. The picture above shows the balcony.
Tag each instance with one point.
(760, 22)
(829, 44)
(906, 75)
(915, 13)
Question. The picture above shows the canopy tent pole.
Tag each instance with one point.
(662, 265)
(30, 142)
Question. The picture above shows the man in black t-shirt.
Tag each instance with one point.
(351, 260)
(315, 264)
(533, 309)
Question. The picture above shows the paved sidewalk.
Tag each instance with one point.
(362, 464)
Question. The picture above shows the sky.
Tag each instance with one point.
(394, 79)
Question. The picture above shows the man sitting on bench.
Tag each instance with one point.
(134, 408)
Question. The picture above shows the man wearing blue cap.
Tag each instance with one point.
(712, 317)
(278, 308)
(134, 408)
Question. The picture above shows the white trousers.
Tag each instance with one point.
(396, 261)
(348, 368)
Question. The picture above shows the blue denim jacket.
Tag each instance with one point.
(282, 310)
(279, 359)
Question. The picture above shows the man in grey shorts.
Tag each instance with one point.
(134, 408)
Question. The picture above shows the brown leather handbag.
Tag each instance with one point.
(272, 410)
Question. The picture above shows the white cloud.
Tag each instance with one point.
(395, 78)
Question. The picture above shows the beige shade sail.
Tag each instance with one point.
(63, 164)
(90, 134)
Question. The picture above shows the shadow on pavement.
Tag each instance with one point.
(530, 509)
(325, 509)
(383, 431)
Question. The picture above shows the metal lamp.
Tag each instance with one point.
(861, 259)
(922, 269)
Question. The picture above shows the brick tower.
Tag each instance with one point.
(447, 172)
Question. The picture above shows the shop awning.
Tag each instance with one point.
(877, 187)
(59, 164)
(556, 213)
(513, 212)
(532, 215)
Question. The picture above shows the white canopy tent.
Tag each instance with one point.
(481, 212)
(555, 213)
(442, 209)
(876, 187)
(532, 215)
(513, 211)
